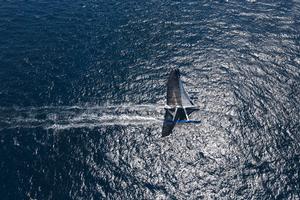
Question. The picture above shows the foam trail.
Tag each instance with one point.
(66, 117)
(124, 120)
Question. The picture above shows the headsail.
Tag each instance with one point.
(185, 99)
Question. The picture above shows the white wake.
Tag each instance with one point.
(67, 117)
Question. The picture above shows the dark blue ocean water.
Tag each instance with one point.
(82, 90)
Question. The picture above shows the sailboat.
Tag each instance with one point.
(179, 105)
